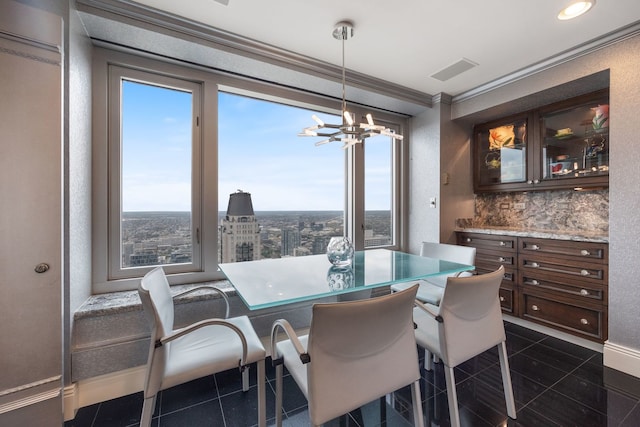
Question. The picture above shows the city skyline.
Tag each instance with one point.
(152, 238)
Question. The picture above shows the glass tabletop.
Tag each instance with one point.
(272, 282)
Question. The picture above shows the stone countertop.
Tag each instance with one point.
(577, 236)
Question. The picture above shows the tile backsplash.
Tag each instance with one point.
(543, 210)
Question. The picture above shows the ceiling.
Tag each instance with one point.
(402, 43)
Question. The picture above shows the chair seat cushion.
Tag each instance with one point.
(428, 292)
(427, 334)
(210, 349)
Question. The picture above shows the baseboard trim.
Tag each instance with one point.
(105, 387)
(622, 358)
(29, 400)
(70, 401)
(554, 333)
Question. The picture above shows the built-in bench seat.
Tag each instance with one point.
(111, 333)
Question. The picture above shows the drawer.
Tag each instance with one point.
(507, 299)
(488, 241)
(586, 322)
(535, 264)
(578, 290)
(509, 278)
(591, 252)
(494, 259)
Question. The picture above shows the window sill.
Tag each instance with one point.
(128, 301)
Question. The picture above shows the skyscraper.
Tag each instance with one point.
(239, 230)
(290, 241)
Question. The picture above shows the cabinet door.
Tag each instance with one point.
(500, 154)
(574, 138)
(31, 219)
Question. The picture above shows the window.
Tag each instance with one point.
(155, 170)
(379, 204)
(174, 153)
(154, 182)
(296, 189)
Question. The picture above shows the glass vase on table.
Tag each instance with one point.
(340, 251)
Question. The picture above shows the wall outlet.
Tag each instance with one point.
(519, 206)
(432, 202)
(504, 206)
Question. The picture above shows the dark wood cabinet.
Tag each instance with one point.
(562, 145)
(491, 252)
(562, 284)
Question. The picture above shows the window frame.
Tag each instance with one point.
(117, 75)
(210, 82)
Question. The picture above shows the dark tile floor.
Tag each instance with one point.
(555, 383)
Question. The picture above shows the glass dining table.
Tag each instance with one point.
(269, 283)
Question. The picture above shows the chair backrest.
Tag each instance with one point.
(157, 302)
(360, 350)
(471, 316)
(452, 253)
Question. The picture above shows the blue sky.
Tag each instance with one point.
(259, 152)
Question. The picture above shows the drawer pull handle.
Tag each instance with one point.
(535, 282)
(584, 273)
(501, 299)
(535, 308)
(468, 239)
(535, 265)
(535, 247)
(502, 259)
(585, 252)
(584, 321)
(503, 244)
(584, 292)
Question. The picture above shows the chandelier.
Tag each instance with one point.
(348, 132)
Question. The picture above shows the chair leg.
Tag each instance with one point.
(428, 360)
(416, 401)
(506, 380)
(452, 396)
(147, 411)
(262, 396)
(245, 379)
(279, 369)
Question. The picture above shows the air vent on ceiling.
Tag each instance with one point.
(454, 69)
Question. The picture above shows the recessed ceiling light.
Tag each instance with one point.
(575, 9)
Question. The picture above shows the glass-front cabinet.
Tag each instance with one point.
(575, 139)
(563, 145)
(501, 153)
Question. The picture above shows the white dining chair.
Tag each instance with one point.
(467, 323)
(354, 353)
(431, 288)
(214, 345)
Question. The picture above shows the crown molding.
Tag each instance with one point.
(140, 16)
(586, 48)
